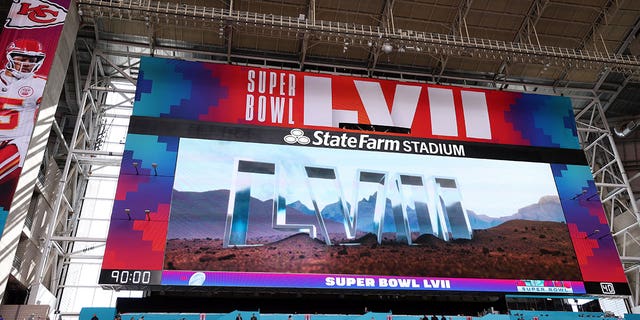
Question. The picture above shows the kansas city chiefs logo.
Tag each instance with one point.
(25, 91)
(32, 14)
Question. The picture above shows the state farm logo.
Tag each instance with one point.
(296, 136)
(25, 91)
(32, 14)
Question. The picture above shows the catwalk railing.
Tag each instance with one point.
(365, 35)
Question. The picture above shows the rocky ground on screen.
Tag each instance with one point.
(513, 250)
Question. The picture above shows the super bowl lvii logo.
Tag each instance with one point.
(436, 203)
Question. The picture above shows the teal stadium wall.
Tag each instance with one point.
(109, 314)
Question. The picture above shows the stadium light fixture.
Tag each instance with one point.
(387, 47)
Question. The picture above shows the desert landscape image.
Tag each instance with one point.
(533, 243)
(516, 226)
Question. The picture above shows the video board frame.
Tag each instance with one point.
(145, 174)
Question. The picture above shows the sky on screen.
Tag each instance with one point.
(493, 187)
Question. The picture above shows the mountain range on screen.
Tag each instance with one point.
(202, 215)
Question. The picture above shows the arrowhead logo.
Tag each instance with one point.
(33, 14)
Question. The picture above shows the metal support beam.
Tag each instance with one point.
(631, 35)
(59, 211)
(607, 11)
(459, 24)
(228, 34)
(376, 46)
(527, 28)
(612, 182)
(82, 154)
(428, 42)
(306, 38)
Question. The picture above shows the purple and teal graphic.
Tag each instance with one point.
(593, 242)
(142, 203)
(3, 220)
(333, 281)
(544, 121)
(188, 89)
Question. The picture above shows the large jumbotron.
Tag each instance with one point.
(242, 177)
(221, 159)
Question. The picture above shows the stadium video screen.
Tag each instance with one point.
(243, 177)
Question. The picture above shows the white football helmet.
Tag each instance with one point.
(24, 57)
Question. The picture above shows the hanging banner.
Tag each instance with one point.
(28, 43)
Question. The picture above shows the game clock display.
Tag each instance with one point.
(130, 277)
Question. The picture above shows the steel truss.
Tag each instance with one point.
(158, 12)
(614, 189)
(82, 157)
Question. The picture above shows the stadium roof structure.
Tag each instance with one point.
(584, 49)
(544, 45)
